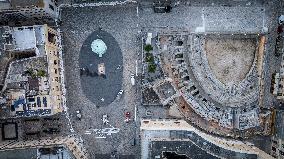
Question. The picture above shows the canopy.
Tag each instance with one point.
(99, 47)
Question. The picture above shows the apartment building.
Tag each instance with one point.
(27, 12)
(33, 73)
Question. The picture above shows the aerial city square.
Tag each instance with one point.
(141, 79)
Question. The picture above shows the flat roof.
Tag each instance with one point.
(27, 3)
(19, 153)
(10, 131)
(279, 124)
(180, 148)
(24, 38)
(4, 4)
(2, 31)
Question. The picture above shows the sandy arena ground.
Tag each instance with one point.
(230, 58)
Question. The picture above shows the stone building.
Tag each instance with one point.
(277, 145)
(27, 12)
(32, 70)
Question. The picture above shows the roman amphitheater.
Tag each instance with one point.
(217, 79)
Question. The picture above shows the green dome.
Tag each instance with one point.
(99, 47)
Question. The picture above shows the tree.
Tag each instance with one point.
(151, 67)
(29, 71)
(41, 73)
(148, 48)
(149, 57)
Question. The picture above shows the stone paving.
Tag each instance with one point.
(234, 19)
(77, 25)
(73, 143)
(272, 62)
(207, 19)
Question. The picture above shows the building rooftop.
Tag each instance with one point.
(4, 4)
(10, 131)
(24, 38)
(2, 39)
(29, 38)
(24, 71)
(43, 153)
(20, 153)
(21, 70)
(180, 148)
(279, 124)
(26, 3)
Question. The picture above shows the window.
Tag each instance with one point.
(51, 7)
(275, 142)
(55, 71)
(273, 149)
(51, 37)
(55, 62)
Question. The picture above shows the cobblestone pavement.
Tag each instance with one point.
(77, 25)
(272, 63)
(207, 19)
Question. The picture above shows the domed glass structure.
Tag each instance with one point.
(99, 47)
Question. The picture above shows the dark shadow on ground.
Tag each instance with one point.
(96, 87)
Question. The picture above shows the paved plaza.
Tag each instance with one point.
(78, 27)
(207, 19)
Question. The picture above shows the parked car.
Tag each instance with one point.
(51, 130)
(105, 119)
(119, 94)
(132, 78)
(78, 114)
(127, 116)
(149, 113)
(133, 142)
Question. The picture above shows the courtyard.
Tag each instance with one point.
(230, 59)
